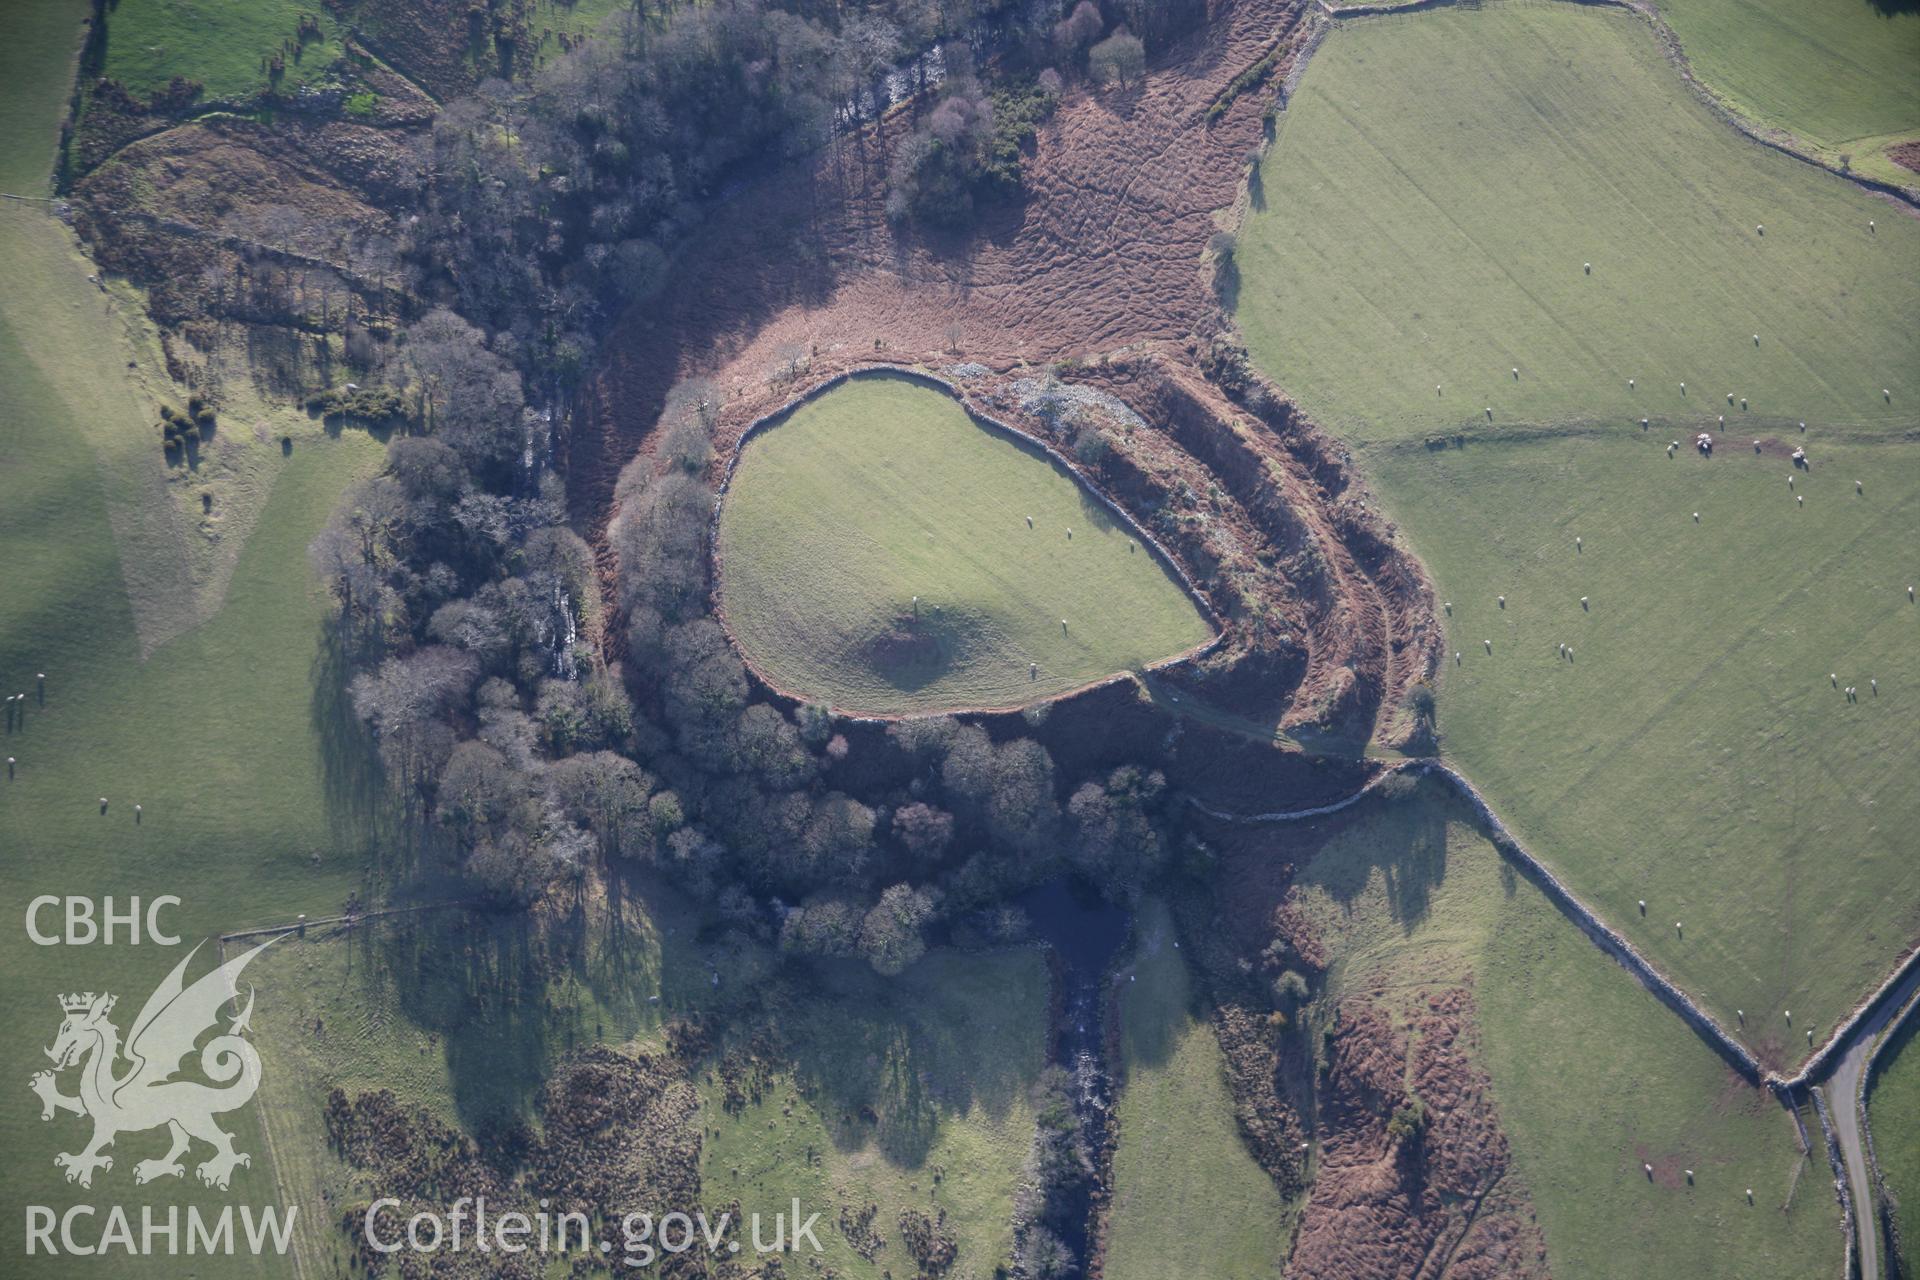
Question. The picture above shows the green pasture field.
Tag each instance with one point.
(1188, 1198)
(247, 781)
(1695, 752)
(882, 491)
(1842, 75)
(1893, 1109)
(220, 43)
(1440, 182)
(1592, 1077)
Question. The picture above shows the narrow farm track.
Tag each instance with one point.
(1850, 1123)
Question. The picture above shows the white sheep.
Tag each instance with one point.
(1743, 403)
(1503, 602)
(1489, 645)
(1516, 373)
(1588, 266)
(1683, 388)
(1489, 413)
(1448, 606)
(1759, 231)
(1800, 498)
(1583, 602)
(1696, 517)
(1577, 544)
(1859, 487)
(1629, 384)
(1756, 339)
(1029, 522)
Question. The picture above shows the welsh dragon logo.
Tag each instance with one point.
(146, 1094)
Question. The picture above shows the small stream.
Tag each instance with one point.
(1084, 933)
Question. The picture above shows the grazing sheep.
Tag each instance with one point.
(1756, 446)
(1789, 1016)
(1800, 498)
(1683, 388)
(1729, 397)
(1588, 266)
(1489, 645)
(1643, 906)
(1749, 1195)
(1456, 657)
(1649, 1169)
(1742, 1015)
(1489, 413)
(1756, 339)
(1888, 395)
(1029, 522)
(1873, 683)
(1803, 426)
(1576, 544)
(1833, 679)
(103, 804)
(1583, 604)
(1643, 424)
(1858, 487)
(1696, 517)
(1069, 535)
(1516, 373)
(1503, 602)
(1743, 404)
(1759, 231)
(1436, 388)
(1869, 224)
(1629, 384)
(1448, 606)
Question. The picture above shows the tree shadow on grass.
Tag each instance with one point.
(1406, 842)
(891, 1061)
(480, 983)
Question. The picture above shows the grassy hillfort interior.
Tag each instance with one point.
(996, 638)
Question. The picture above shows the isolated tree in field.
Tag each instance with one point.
(1119, 59)
(686, 424)
(787, 357)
